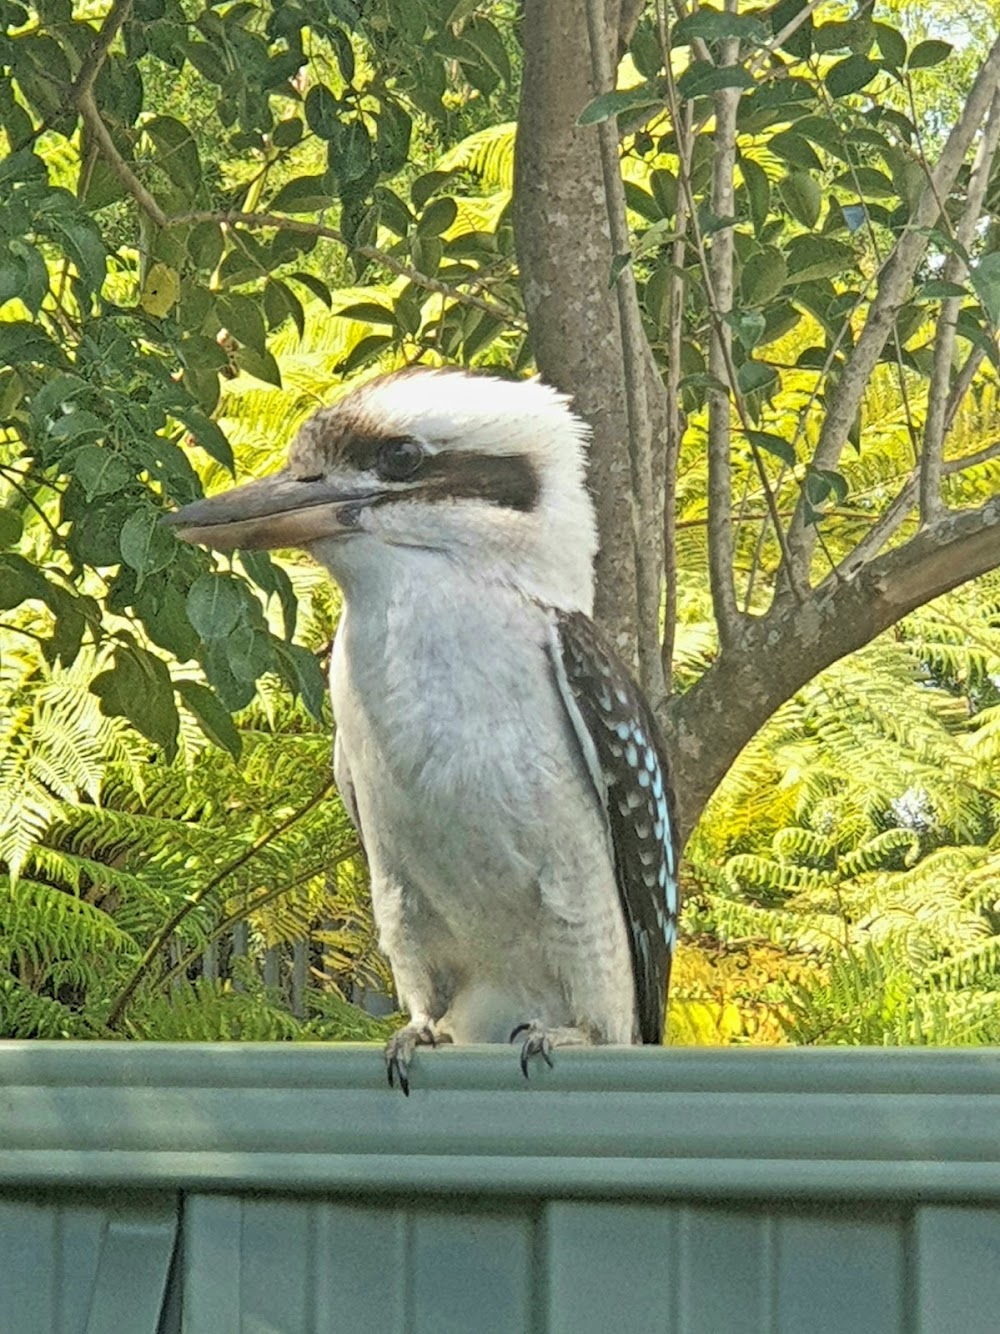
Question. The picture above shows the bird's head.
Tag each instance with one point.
(424, 466)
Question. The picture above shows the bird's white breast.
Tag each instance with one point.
(474, 801)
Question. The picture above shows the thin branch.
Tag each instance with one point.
(193, 901)
(261, 901)
(962, 385)
(845, 396)
(955, 271)
(231, 218)
(902, 506)
(675, 418)
(109, 151)
(635, 353)
(93, 61)
(782, 36)
(720, 263)
(714, 315)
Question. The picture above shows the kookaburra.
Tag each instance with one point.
(501, 766)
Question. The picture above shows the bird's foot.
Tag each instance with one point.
(400, 1048)
(537, 1041)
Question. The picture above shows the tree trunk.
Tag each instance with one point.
(565, 254)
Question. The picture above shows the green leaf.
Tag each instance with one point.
(748, 325)
(212, 717)
(207, 61)
(485, 38)
(642, 202)
(835, 36)
(19, 580)
(322, 112)
(931, 52)
(367, 311)
(209, 436)
(350, 154)
(437, 217)
(664, 186)
(145, 545)
(791, 147)
(763, 276)
(73, 425)
(262, 365)
(869, 182)
(304, 194)
(287, 133)
(753, 377)
(139, 689)
(427, 185)
(985, 279)
(11, 528)
(364, 352)
(939, 290)
(773, 444)
(303, 673)
(759, 191)
(242, 318)
(279, 302)
(799, 43)
(702, 78)
(850, 75)
(176, 152)
(811, 257)
(892, 45)
(802, 197)
(709, 25)
(205, 244)
(214, 605)
(22, 342)
(101, 471)
(84, 244)
(273, 580)
(823, 483)
(249, 652)
(622, 99)
(315, 285)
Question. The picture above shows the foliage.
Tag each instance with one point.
(209, 217)
(859, 840)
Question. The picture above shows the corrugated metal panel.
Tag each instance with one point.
(622, 1193)
(270, 1266)
(84, 1267)
(956, 1261)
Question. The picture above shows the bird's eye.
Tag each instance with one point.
(313, 477)
(398, 460)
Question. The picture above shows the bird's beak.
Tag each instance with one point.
(278, 511)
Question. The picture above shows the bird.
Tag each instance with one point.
(505, 774)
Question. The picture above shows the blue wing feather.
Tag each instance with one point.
(627, 760)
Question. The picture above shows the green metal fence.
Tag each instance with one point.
(152, 1188)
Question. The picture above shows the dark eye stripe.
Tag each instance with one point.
(509, 481)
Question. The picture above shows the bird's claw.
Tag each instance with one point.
(536, 1043)
(399, 1051)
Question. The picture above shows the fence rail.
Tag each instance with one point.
(273, 1187)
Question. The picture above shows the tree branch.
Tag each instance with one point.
(711, 723)
(90, 67)
(845, 397)
(955, 271)
(675, 418)
(635, 351)
(720, 263)
(117, 1011)
(232, 218)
